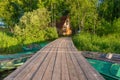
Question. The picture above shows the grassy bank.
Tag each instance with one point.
(90, 42)
(10, 44)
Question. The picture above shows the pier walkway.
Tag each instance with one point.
(59, 60)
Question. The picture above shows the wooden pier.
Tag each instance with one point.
(59, 60)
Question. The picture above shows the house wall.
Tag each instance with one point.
(63, 27)
(66, 27)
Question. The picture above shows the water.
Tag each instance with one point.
(7, 67)
(110, 71)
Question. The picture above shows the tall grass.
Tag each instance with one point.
(14, 43)
(8, 44)
(32, 36)
(89, 42)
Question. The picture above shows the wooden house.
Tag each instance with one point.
(63, 26)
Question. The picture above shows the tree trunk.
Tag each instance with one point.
(11, 29)
(82, 21)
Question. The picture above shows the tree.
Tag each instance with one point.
(81, 12)
(109, 9)
(12, 10)
(116, 26)
(57, 8)
(32, 25)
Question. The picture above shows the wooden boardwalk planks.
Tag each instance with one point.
(59, 60)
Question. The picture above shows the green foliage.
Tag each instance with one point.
(12, 10)
(116, 26)
(104, 28)
(83, 14)
(33, 27)
(90, 42)
(8, 44)
(109, 9)
(51, 33)
(38, 19)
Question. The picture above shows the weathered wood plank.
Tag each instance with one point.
(49, 71)
(42, 69)
(40, 72)
(57, 67)
(90, 73)
(65, 72)
(28, 71)
(80, 72)
(72, 70)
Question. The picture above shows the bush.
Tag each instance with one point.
(104, 28)
(88, 42)
(9, 44)
(33, 27)
(51, 33)
(116, 26)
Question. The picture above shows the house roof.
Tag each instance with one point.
(61, 22)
